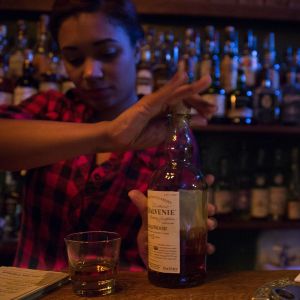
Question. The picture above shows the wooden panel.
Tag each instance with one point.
(251, 2)
(277, 3)
(294, 4)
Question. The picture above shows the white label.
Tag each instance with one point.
(223, 201)
(172, 217)
(163, 232)
(229, 73)
(144, 82)
(16, 64)
(6, 98)
(259, 203)
(277, 201)
(294, 210)
(218, 100)
(21, 93)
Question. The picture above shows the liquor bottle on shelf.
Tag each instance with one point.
(293, 195)
(242, 186)
(240, 102)
(267, 101)
(277, 188)
(144, 80)
(49, 79)
(259, 206)
(209, 52)
(291, 98)
(215, 94)
(230, 60)
(223, 191)
(41, 59)
(249, 59)
(17, 54)
(26, 85)
(269, 60)
(177, 212)
(6, 85)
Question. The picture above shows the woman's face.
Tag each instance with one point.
(100, 60)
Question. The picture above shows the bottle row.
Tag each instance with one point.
(258, 192)
(248, 86)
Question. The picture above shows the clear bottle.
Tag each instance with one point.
(293, 196)
(177, 212)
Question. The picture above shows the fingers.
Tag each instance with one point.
(209, 179)
(140, 201)
(210, 249)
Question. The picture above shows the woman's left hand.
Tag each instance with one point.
(140, 200)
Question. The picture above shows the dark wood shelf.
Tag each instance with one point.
(257, 225)
(260, 129)
(242, 9)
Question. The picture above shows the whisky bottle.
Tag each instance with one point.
(26, 85)
(240, 102)
(259, 207)
(267, 100)
(293, 196)
(177, 212)
(277, 188)
(223, 192)
(230, 60)
(144, 76)
(215, 94)
(242, 186)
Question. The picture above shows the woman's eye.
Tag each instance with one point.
(75, 61)
(108, 54)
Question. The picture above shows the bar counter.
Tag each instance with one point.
(218, 286)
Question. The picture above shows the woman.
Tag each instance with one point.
(69, 188)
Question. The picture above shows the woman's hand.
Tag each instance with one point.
(140, 200)
(141, 126)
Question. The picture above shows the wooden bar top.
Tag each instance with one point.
(226, 286)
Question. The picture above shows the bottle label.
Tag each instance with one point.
(259, 203)
(173, 216)
(294, 210)
(229, 73)
(223, 201)
(144, 82)
(5, 98)
(21, 93)
(16, 61)
(266, 101)
(242, 200)
(218, 100)
(277, 201)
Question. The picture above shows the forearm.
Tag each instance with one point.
(27, 144)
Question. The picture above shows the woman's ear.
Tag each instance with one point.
(137, 52)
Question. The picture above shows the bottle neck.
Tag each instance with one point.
(179, 144)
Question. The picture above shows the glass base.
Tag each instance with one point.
(94, 289)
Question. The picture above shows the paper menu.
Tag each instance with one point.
(18, 283)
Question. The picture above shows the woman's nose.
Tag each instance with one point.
(92, 69)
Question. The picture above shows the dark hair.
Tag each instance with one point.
(120, 12)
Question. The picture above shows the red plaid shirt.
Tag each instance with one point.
(78, 195)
